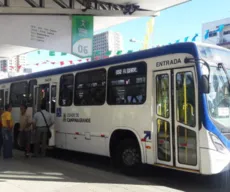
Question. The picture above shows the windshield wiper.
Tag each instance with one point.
(221, 65)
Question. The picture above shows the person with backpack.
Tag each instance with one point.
(42, 122)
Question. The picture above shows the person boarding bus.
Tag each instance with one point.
(41, 122)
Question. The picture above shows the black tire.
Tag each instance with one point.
(128, 156)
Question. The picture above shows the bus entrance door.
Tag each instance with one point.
(6, 96)
(175, 118)
(46, 93)
(53, 92)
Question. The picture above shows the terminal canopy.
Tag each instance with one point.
(88, 7)
(119, 11)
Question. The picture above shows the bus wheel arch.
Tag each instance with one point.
(125, 145)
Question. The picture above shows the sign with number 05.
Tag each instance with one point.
(82, 36)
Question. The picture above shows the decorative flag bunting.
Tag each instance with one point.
(119, 52)
(220, 28)
(108, 53)
(186, 39)
(149, 32)
(63, 54)
(97, 53)
(194, 38)
(52, 53)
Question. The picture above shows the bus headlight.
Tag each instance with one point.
(218, 144)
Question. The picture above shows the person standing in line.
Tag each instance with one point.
(1, 139)
(25, 129)
(7, 127)
(41, 122)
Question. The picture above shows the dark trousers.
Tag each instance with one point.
(7, 143)
(40, 138)
(25, 140)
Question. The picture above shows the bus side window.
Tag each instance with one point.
(53, 98)
(185, 98)
(32, 83)
(90, 87)
(66, 90)
(2, 99)
(127, 84)
(18, 93)
(162, 95)
(6, 97)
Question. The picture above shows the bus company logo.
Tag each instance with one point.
(82, 30)
(58, 112)
(74, 117)
(168, 62)
(64, 117)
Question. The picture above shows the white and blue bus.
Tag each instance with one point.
(168, 106)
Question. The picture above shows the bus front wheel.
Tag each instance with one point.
(128, 156)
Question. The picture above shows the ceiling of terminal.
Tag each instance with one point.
(89, 7)
(119, 11)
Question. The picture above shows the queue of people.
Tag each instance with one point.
(37, 127)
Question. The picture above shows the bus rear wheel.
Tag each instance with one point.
(128, 156)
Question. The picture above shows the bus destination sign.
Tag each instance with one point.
(126, 71)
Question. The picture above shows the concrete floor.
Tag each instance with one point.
(94, 175)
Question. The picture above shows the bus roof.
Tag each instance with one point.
(187, 47)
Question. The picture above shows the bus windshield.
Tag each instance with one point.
(219, 97)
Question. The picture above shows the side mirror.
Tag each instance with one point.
(227, 89)
(205, 84)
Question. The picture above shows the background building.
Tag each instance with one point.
(3, 65)
(3, 69)
(17, 63)
(18, 66)
(221, 38)
(107, 41)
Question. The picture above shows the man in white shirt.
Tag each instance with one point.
(41, 120)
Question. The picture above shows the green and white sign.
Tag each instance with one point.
(82, 36)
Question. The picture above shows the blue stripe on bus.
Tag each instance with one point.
(210, 125)
(160, 51)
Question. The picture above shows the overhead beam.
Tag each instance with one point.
(101, 5)
(32, 3)
(71, 4)
(67, 11)
(42, 3)
(61, 3)
(4, 3)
